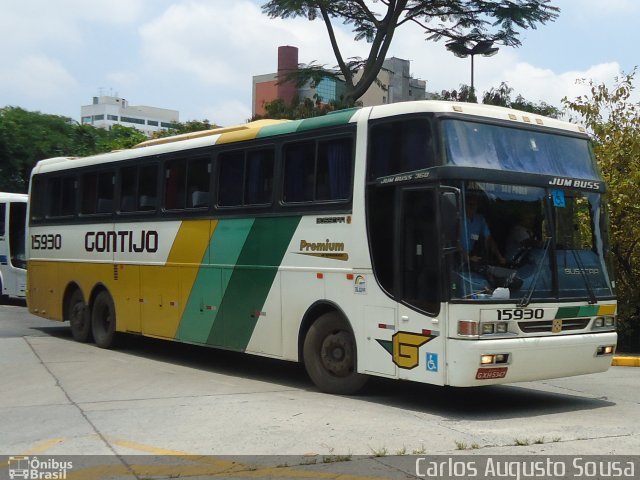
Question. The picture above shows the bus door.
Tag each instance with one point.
(420, 345)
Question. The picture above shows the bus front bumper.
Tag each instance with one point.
(527, 359)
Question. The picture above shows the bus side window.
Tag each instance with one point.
(299, 171)
(400, 146)
(333, 177)
(175, 175)
(230, 179)
(318, 171)
(61, 196)
(259, 177)
(138, 188)
(245, 178)
(198, 183)
(97, 192)
(148, 188)
(128, 181)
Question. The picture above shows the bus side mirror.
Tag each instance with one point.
(449, 215)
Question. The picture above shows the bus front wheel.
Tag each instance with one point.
(79, 319)
(103, 320)
(329, 353)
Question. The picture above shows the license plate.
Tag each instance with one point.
(491, 373)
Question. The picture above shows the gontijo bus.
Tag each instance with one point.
(346, 242)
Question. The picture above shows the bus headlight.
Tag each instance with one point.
(502, 327)
(494, 359)
(488, 328)
(605, 350)
(606, 323)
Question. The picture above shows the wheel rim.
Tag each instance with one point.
(336, 354)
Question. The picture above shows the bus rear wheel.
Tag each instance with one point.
(329, 353)
(103, 320)
(79, 319)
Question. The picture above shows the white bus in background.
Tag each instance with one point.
(13, 264)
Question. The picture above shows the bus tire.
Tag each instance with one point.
(103, 320)
(329, 354)
(79, 319)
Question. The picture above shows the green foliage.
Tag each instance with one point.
(454, 20)
(613, 120)
(186, 127)
(27, 137)
(501, 96)
(298, 109)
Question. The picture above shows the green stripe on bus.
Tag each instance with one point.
(332, 120)
(576, 312)
(251, 281)
(279, 129)
(567, 312)
(203, 307)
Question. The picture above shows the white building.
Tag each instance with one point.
(107, 111)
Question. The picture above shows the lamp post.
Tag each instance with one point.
(462, 48)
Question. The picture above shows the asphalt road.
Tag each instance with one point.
(154, 397)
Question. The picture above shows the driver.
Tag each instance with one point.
(475, 226)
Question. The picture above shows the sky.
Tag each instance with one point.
(199, 56)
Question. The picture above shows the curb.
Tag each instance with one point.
(626, 362)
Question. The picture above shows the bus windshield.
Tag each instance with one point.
(529, 243)
(473, 144)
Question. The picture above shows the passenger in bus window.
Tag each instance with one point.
(521, 237)
(475, 227)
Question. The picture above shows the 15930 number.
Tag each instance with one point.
(46, 242)
(520, 314)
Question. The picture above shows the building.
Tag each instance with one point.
(395, 76)
(106, 111)
(399, 85)
(273, 86)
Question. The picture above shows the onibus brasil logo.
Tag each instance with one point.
(35, 468)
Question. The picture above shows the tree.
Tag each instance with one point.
(454, 20)
(298, 109)
(614, 122)
(186, 127)
(27, 137)
(501, 96)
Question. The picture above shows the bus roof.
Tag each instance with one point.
(474, 109)
(267, 128)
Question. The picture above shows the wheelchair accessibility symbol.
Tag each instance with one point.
(432, 362)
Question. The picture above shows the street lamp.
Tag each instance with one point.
(462, 48)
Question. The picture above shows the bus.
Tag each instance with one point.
(13, 261)
(344, 242)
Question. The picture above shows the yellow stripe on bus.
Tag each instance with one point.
(166, 289)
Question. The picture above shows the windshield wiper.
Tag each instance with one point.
(526, 300)
(587, 282)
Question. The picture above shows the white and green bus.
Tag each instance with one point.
(384, 241)
(13, 260)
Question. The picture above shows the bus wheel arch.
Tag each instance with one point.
(78, 313)
(103, 317)
(329, 351)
